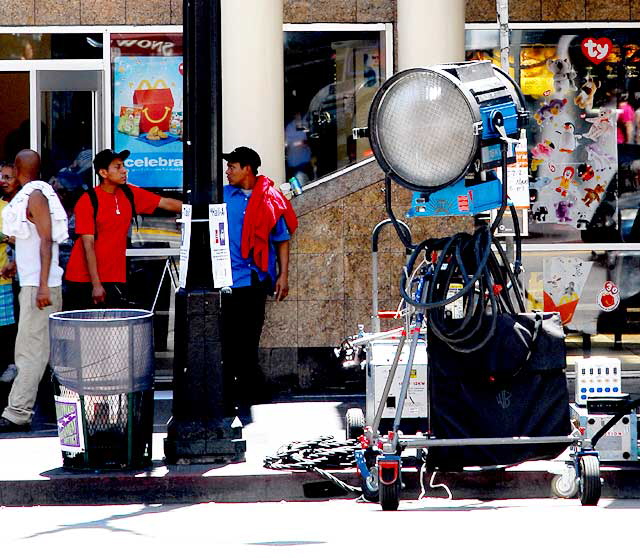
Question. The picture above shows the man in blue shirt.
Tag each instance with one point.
(258, 269)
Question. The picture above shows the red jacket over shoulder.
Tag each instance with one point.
(266, 205)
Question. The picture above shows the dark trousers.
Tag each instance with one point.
(7, 345)
(242, 321)
(78, 296)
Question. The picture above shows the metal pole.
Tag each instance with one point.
(202, 428)
(502, 7)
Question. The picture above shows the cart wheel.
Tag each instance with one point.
(354, 423)
(390, 495)
(564, 486)
(370, 486)
(590, 484)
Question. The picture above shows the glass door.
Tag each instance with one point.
(69, 105)
(69, 110)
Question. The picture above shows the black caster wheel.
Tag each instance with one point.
(590, 483)
(390, 495)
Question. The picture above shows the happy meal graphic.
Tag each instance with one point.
(148, 92)
(564, 278)
(609, 297)
(573, 155)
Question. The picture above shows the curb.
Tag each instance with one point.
(274, 486)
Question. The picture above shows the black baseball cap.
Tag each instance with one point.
(103, 159)
(245, 156)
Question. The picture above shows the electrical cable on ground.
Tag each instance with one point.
(317, 455)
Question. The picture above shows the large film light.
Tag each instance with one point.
(430, 127)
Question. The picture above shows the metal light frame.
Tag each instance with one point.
(478, 135)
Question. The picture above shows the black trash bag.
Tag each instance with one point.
(512, 386)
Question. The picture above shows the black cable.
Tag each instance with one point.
(486, 293)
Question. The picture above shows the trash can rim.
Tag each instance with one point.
(63, 316)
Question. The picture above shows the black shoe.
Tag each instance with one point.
(8, 426)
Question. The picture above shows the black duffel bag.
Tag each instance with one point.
(514, 385)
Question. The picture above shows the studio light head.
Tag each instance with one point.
(429, 128)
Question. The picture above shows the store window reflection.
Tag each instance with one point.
(330, 80)
(583, 91)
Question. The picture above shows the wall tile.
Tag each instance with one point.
(176, 12)
(525, 10)
(321, 231)
(358, 278)
(563, 10)
(296, 11)
(320, 277)
(605, 10)
(293, 277)
(333, 11)
(279, 365)
(52, 12)
(94, 12)
(281, 324)
(634, 8)
(17, 12)
(480, 10)
(148, 12)
(320, 323)
(370, 196)
(360, 222)
(375, 11)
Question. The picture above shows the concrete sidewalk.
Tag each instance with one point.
(31, 467)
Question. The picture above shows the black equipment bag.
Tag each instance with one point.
(514, 385)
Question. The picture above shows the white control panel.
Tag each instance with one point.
(597, 377)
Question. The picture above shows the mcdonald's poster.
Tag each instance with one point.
(147, 103)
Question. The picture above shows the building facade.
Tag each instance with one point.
(80, 75)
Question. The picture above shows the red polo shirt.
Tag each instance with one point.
(112, 221)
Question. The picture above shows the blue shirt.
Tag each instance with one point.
(241, 268)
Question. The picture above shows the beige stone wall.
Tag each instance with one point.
(331, 279)
(91, 12)
(556, 10)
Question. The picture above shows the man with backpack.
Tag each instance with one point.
(96, 272)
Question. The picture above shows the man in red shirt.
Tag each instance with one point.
(96, 272)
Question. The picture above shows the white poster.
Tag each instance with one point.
(219, 239)
(518, 175)
(185, 244)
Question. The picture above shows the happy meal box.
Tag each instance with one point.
(564, 279)
(156, 102)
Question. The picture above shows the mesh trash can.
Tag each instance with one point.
(103, 368)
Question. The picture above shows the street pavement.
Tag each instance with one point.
(31, 472)
(342, 527)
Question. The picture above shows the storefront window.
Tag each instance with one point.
(42, 46)
(582, 88)
(597, 294)
(330, 80)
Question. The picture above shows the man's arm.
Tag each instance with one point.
(39, 215)
(88, 243)
(170, 205)
(282, 283)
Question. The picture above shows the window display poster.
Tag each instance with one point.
(147, 118)
(564, 280)
(573, 155)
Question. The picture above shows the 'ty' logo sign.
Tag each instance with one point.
(597, 50)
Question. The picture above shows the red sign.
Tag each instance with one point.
(597, 50)
(146, 44)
